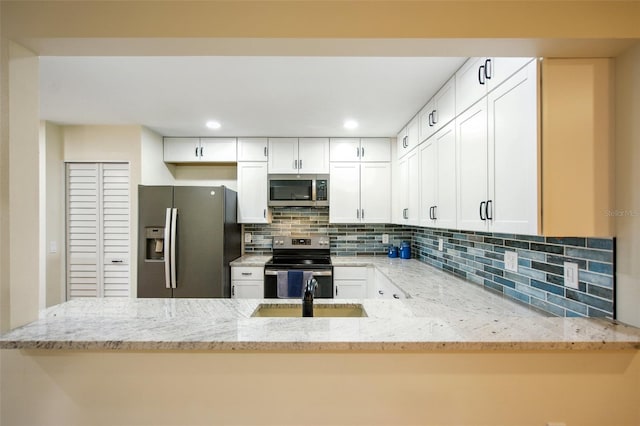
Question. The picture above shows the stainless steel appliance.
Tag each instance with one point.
(187, 237)
(299, 190)
(300, 253)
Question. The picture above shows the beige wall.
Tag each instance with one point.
(153, 169)
(442, 388)
(53, 237)
(115, 144)
(627, 181)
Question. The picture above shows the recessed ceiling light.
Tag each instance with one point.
(213, 124)
(350, 124)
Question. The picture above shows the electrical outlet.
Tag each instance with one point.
(511, 261)
(385, 238)
(571, 275)
(247, 237)
(440, 244)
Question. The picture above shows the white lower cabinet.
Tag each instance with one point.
(247, 282)
(383, 288)
(350, 282)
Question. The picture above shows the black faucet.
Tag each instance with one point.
(307, 299)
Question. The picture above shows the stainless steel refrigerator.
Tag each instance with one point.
(187, 237)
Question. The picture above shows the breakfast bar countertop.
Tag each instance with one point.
(443, 312)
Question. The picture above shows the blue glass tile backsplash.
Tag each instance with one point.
(475, 256)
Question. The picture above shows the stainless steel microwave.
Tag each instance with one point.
(299, 190)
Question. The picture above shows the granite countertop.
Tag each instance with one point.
(443, 313)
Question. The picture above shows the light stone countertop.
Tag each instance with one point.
(250, 260)
(443, 313)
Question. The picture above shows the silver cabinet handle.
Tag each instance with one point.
(233, 290)
(167, 253)
(196, 154)
(362, 151)
(358, 152)
(264, 213)
(435, 116)
(117, 261)
(361, 213)
(295, 164)
(247, 273)
(336, 290)
(300, 164)
(201, 150)
(174, 227)
(380, 292)
(395, 296)
(265, 151)
(357, 213)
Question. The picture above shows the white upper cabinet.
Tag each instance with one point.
(313, 155)
(252, 192)
(218, 150)
(497, 144)
(478, 76)
(253, 149)
(198, 150)
(438, 179)
(297, 156)
(360, 192)
(513, 154)
(408, 138)
(356, 149)
(439, 111)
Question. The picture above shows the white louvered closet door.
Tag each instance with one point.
(97, 230)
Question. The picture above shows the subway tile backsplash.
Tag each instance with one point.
(475, 256)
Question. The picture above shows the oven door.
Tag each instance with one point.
(324, 277)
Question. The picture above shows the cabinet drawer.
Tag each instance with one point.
(350, 273)
(247, 273)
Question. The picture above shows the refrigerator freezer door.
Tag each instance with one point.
(200, 242)
(153, 203)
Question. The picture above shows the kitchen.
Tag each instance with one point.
(453, 361)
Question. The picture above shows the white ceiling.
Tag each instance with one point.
(248, 95)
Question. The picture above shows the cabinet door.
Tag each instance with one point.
(402, 188)
(413, 187)
(471, 84)
(252, 149)
(426, 124)
(513, 154)
(247, 289)
(471, 141)
(500, 69)
(313, 155)
(445, 211)
(375, 149)
(344, 193)
(445, 104)
(252, 192)
(283, 155)
(350, 289)
(218, 150)
(375, 192)
(181, 150)
(428, 182)
(344, 149)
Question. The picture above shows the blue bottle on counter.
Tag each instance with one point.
(405, 250)
(393, 251)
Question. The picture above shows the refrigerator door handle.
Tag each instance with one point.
(167, 254)
(174, 225)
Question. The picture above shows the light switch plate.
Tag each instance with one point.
(247, 237)
(440, 244)
(511, 261)
(53, 246)
(385, 238)
(571, 275)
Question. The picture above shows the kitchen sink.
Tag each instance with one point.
(342, 310)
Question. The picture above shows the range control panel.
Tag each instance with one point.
(312, 242)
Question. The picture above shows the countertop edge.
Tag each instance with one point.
(391, 347)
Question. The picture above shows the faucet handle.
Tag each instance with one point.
(311, 285)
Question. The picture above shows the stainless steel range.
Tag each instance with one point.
(300, 253)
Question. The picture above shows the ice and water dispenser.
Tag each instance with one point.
(154, 243)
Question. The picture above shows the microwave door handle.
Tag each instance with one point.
(167, 253)
(313, 190)
(174, 225)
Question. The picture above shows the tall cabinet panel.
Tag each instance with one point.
(375, 192)
(252, 180)
(344, 194)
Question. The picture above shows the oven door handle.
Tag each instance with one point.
(315, 273)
